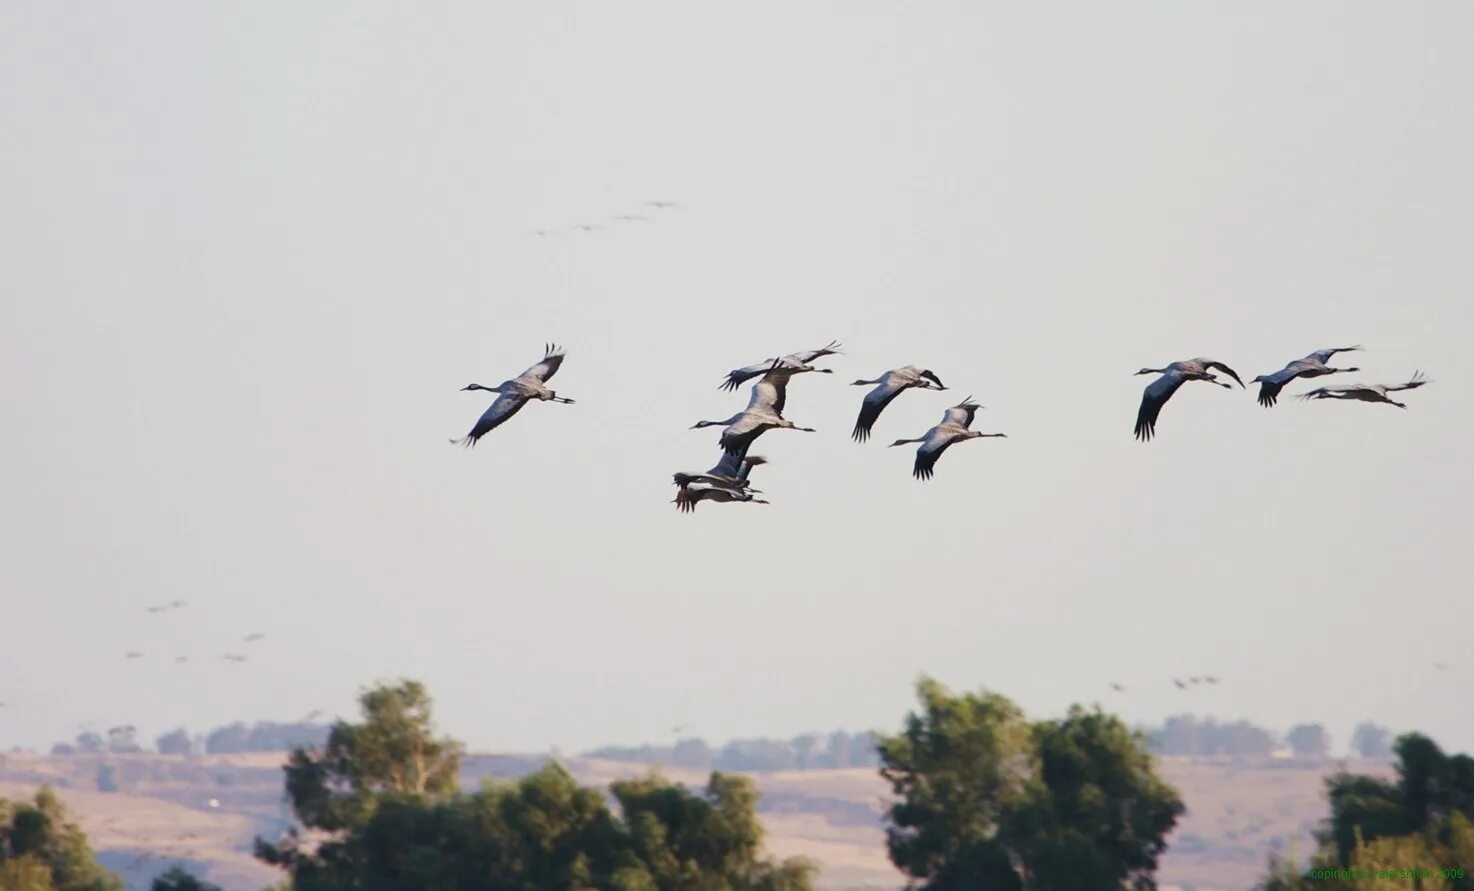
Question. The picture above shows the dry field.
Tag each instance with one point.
(162, 814)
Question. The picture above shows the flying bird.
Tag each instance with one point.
(662, 205)
(738, 376)
(1210, 679)
(632, 218)
(157, 609)
(888, 386)
(133, 655)
(176, 604)
(764, 411)
(729, 473)
(953, 429)
(515, 393)
(1180, 684)
(1313, 365)
(234, 657)
(1367, 392)
(1439, 665)
(181, 658)
(313, 715)
(1172, 378)
(688, 497)
(1118, 688)
(251, 638)
(589, 227)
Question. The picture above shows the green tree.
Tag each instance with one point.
(985, 799)
(28, 873)
(177, 879)
(39, 833)
(1371, 740)
(175, 742)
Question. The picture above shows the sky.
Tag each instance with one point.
(250, 253)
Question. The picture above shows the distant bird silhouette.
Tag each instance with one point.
(953, 429)
(543, 233)
(1172, 378)
(802, 359)
(234, 657)
(663, 205)
(1180, 684)
(1118, 688)
(589, 227)
(888, 386)
(632, 218)
(515, 393)
(1313, 365)
(1439, 665)
(133, 655)
(181, 658)
(1210, 679)
(157, 609)
(176, 604)
(314, 714)
(1367, 392)
(250, 638)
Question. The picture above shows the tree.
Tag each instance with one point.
(1371, 740)
(985, 799)
(692, 753)
(175, 742)
(1309, 741)
(39, 833)
(177, 879)
(123, 740)
(89, 742)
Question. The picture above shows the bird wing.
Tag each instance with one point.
(806, 356)
(1269, 388)
(739, 376)
(1209, 363)
(1417, 380)
(928, 452)
(961, 415)
(1153, 398)
(1324, 356)
(933, 378)
(542, 371)
(506, 405)
(686, 498)
(771, 393)
(875, 402)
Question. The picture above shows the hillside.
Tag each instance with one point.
(204, 811)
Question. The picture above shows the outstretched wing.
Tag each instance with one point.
(875, 402)
(770, 393)
(1153, 398)
(934, 379)
(962, 413)
(806, 356)
(506, 405)
(1324, 356)
(542, 371)
(1209, 363)
(928, 453)
(1416, 381)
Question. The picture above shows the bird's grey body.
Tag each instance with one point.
(953, 429)
(1172, 378)
(738, 376)
(1313, 365)
(513, 394)
(1367, 392)
(887, 387)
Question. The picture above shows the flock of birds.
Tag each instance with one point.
(729, 480)
(179, 604)
(590, 228)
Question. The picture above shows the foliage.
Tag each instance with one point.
(385, 813)
(175, 742)
(1371, 740)
(1309, 740)
(1187, 735)
(89, 742)
(808, 752)
(265, 736)
(177, 879)
(39, 833)
(1424, 819)
(986, 799)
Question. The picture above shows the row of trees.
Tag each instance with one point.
(263, 736)
(1189, 735)
(806, 752)
(41, 850)
(1423, 820)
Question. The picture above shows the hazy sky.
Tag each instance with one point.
(250, 253)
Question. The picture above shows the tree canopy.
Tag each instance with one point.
(40, 850)
(380, 810)
(987, 799)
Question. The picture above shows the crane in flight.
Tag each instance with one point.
(515, 393)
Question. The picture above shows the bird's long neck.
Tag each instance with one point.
(496, 389)
(728, 422)
(864, 383)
